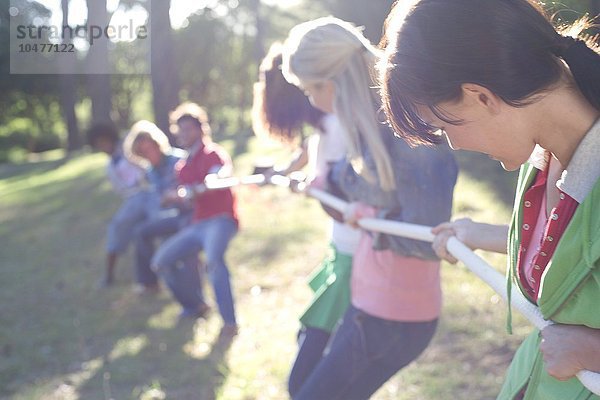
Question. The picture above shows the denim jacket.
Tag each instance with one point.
(425, 177)
(164, 177)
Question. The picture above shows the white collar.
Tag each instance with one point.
(583, 171)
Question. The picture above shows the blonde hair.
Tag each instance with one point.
(331, 49)
(144, 130)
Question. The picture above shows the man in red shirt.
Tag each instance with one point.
(213, 226)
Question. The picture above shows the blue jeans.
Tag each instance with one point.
(366, 351)
(211, 235)
(166, 224)
(313, 342)
(135, 209)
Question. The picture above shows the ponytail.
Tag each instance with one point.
(584, 63)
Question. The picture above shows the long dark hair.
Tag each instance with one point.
(280, 109)
(510, 47)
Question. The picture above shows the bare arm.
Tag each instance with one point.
(475, 235)
(299, 161)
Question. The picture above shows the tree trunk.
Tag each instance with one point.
(98, 80)
(165, 79)
(259, 43)
(68, 89)
(370, 14)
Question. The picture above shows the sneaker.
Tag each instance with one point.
(229, 331)
(201, 312)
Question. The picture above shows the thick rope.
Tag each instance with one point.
(497, 281)
(472, 261)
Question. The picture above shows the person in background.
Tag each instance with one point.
(127, 180)
(280, 111)
(214, 221)
(146, 145)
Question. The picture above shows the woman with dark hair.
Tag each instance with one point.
(281, 111)
(496, 77)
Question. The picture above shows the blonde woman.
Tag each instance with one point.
(395, 282)
(149, 147)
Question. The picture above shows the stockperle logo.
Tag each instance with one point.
(42, 42)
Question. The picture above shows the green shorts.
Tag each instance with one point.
(330, 283)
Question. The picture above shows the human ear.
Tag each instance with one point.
(482, 96)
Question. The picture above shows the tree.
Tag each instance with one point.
(370, 14)
(98, 81)
(68, 88)
(165, 80)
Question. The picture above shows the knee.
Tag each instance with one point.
(159, 264)
(141, 234)
(215, 266)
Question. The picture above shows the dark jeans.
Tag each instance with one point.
(148, 232)
(366, 351)
(313, 342)
(173, 257)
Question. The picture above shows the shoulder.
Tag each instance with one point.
(213, 151)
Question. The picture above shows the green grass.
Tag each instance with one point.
(61, 338)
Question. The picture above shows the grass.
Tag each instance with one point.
(61, 338)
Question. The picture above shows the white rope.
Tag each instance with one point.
(476, 264)
(223, 183)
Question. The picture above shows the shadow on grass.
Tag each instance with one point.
(27, 169)
(151, 369)
(263, 250)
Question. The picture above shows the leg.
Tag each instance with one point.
(334, 372)
(176, 261)
(390, 346)
(146, 234)
(109, 276)
(120, 231)
(218, 233)
(313, 342)
(366, 351)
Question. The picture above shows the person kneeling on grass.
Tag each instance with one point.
(214, 221)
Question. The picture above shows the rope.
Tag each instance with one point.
(591, 380)
(473, 262)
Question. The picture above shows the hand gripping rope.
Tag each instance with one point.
(591, 380)
(472, 261)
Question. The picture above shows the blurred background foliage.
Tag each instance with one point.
(211, 57)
